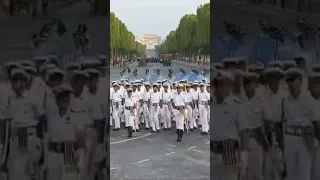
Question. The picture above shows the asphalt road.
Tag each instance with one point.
(158, 156)
(18, 31)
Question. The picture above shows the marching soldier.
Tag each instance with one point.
(257, 143)
(145, 106)
(98, 103)
(80, 109)
(155, 104)
(314, 84)
(229, 141)
(203, 101)
(273, 119)
(117, 101)
(166, 110)
(130, 111)
(179, 104)
(298, 115)
(190, 107)
(62, 155)
(28, 126)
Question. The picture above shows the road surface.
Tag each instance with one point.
(158, 156)
(18, 32)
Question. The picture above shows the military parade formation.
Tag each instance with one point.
(154, 104)
(266, 123)
(53, 121)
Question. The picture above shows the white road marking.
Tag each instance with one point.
(149, 140)
(202, 152)
(160, 157)
(208, 142)
(145, 160)
(114, 168)
(168, 154)
(131, 139)
(171, 145)
(191, 147)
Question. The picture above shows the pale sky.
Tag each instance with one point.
(153, 16)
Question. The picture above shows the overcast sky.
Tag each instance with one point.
(153, 16)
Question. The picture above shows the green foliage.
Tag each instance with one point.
(121, 39)
(192, 34)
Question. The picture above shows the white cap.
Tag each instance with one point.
(26, 63)
(294, 72)
(278, 64)
(19, 71)
(79, 73)
(224, 75)
(93, 71)
(30, 69)
(273, 71)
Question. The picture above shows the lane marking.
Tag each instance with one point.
(114, 168)
(202, 152)
(171, 145)
(168, 154)
(145, 160)
(191, 147)
(149, 140)
(142, 161)
(208, 142)
(131, 139)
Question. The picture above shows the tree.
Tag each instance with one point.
(190, 39)
(122, 42)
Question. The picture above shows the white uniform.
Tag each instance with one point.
(62, 134)
(24, 141)
(145, 108)
(196, 110)
(155, 98)
(225, 135)
(166, 110)
(80, 110)
(116, 98)
(98, 103)
(190, 105)
(203, 101)
(254, 109)
(137, 96)
(129, 113)
(299, 114)
(272, 114)
(179, 100)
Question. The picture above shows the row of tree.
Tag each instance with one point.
(191, 40)
(123, 45)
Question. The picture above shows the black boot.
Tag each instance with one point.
(130, 131)
(181, 134)
(178, 135)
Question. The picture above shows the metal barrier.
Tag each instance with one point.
(225, 46)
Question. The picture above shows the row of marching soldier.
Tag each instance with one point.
(266, 120)
(155, 106)
(53, 121)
